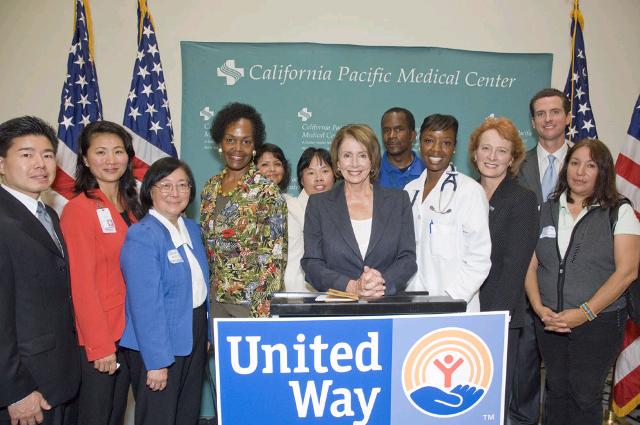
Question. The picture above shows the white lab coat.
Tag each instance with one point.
(453, 250)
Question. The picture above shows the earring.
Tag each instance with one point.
(220, 152)
(253, 153)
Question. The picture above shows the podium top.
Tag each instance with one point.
(299, 304)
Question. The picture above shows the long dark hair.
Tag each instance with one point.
(604, 191)
(86, 181)
(279, 155)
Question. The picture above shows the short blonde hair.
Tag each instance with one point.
(363, 134)
(508, 131)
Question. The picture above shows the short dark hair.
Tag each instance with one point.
(440, 122)
(550, 92)
(25, 126)
(604, 191)
(86, 181)
(307, 156)
(411, 121)
(159, 170)
(279, 154)
(233, 112)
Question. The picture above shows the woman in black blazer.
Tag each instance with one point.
(359, 236)
(496, 150)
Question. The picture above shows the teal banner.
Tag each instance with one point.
(306, 91)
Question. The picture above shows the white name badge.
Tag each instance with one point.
(174, 256)
(548, 232)
(106, 221)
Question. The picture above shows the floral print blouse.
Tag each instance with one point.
(246, 242)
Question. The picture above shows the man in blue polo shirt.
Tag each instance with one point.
(400, 164)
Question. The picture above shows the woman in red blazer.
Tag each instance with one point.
(94, 224)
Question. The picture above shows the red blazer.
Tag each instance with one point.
(97, 285)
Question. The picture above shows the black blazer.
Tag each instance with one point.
(38, 346)
(331, 254)
(513, 225)
(529, 175)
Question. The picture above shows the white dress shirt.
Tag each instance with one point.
(181, 237)
(26, 200)
(543, 158)
(294, 280)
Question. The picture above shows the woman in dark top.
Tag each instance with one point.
(358, 237)
(496, 150)
(583, 263)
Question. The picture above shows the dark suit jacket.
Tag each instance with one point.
(331, 254)
(38, 345)
(529, 175)
(513, 224)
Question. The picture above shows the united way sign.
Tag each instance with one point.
(368, 370)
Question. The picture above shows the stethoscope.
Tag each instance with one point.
(450, 179)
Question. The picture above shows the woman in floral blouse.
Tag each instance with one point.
(243, 219)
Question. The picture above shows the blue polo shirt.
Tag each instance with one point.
(397, 178)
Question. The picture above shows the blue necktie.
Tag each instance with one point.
(45, 219)
(549, 178)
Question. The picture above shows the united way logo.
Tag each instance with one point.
(447, 372)
(230, 72)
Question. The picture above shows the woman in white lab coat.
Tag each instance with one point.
(450, 213)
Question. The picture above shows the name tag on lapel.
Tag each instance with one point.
(106, 221)
(174, 257)
(548, 232)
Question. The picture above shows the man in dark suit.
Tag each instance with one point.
(539, 172)
(39, 365)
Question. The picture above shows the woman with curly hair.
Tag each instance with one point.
(243, 219)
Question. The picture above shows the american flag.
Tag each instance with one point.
(147, 113)
(80, 104)
(628, 162)
(582, 124)
(626, 389)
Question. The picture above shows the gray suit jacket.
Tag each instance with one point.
(529, 174)
(331, 254)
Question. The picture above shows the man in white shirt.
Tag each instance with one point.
(550, 115)
(39, 363)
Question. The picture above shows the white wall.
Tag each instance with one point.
(35, 36)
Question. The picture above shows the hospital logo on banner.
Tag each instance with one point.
(230, 72)
(362, 370)
(447, 372)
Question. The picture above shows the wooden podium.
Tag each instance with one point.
(299, 304)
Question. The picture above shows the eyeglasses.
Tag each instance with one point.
(166, 188)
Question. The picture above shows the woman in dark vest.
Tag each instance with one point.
(581, 267)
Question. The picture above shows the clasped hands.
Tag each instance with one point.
(561, 322)
(369, 284)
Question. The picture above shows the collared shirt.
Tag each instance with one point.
(543, 160)
(26, 200)
(627, 223)
(181, 237)
(396, 178)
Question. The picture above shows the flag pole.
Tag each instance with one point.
(574, 18)
(610, 417)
